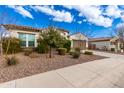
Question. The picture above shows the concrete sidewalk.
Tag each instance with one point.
(107, 72)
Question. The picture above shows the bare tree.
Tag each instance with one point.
(3, 34)
(4, 19)
(120, 33)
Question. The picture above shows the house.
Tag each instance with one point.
(27, 35)
(30, 35)
(105, 43)
(117, 44)
(79, 40)
(100, 43)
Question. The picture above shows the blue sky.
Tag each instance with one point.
(94, 21)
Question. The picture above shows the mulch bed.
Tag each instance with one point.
(29, 66)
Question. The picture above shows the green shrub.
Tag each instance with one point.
(76, 54)
(71, 52)
(14, 45)
(67, 45)
(62, 51)
(88, 53)
(42, 47)
(113, 49)
(77, 49)
(27, 52)
(11, 60)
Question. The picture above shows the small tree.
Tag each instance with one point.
(52, 37)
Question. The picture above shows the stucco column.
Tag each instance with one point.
(26, 40)
(71, 43)
(35, 41)
(118, 45)
(86, 44)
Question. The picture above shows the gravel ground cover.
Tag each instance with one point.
(40, 63)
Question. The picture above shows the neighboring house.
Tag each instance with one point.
(117, 44)
(79, 40)
(100, 43)
(107, 43)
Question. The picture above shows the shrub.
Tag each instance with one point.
(62, 51)
(14, 45)
(27, 52)
(88, 53)
(11, 60)
(71, 52)
(67, 45)
(113, 49)
(77, 49)
(76, 54)
(42, 47)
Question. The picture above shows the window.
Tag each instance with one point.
(27, 40)
(31, 40)
(22, 37)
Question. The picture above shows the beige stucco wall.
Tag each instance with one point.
(101, 44)
(15, 33)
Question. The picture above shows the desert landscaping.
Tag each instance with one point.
(39, 63)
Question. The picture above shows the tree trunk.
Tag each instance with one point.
(123, 46)
(8, 45)
(1, 49)
(50, 53)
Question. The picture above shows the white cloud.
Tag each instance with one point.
(79, 22)
(93, 14)
(22, 11)
(61, 16)
(113, 11)
(120, 25)
(122, 17)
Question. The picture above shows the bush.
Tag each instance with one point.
(11, 60)
(77, 49)
(113, 49)
(62, 51)
(76, 54)
(27, 52)
(67, 45)
(14, 45)
(71, 52)
(42, 47)
(88, 53)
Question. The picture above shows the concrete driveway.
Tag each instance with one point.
(105, 73)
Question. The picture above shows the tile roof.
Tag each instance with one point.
(100, 39)
(27, 28)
